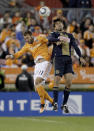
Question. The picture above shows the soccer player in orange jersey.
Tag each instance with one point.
(39, 51)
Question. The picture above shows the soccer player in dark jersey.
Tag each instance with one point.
(62, 49)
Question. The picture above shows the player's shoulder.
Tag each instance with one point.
(69, 34)
(27, 45)
(41, 36)
(54, 33)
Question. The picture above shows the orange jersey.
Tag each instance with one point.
(38, 49)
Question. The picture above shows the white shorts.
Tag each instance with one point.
(42, 70)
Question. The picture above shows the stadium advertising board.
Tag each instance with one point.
(28, 104)
(82, 75)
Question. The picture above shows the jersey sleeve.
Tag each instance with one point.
(22, 51)
(52, 38)
(75, 46)
(42, 39)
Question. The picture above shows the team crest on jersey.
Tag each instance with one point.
(62, 34)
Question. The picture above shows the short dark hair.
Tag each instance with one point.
(27, 32)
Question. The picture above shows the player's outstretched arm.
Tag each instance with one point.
(74, 44)
(18, 54)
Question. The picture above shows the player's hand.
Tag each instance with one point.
(58, 43)
(9, 57)
(64, 39)
(82, 61)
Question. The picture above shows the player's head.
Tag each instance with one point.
(58, 24)
(28, 37)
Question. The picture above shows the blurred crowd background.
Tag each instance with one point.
(16, 16)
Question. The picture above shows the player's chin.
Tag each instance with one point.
(26, 41)
(60, 29)
(30, 42)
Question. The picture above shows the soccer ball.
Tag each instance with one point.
(44, 11)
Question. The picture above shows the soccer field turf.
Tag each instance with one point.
(46, 123)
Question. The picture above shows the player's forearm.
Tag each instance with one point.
(18, 54)
(75, 46)
(77, 51)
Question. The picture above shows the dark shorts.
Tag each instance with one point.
(63, 65)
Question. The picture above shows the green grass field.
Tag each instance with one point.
(46, 123)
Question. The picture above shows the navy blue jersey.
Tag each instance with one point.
(64, 48)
